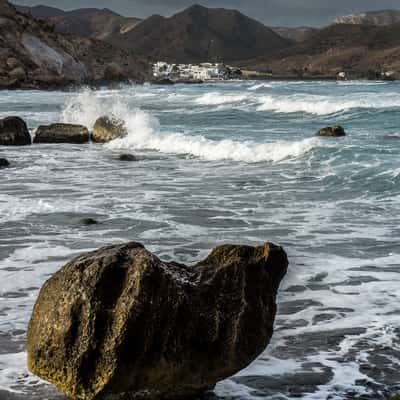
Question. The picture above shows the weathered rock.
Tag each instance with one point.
(62, 133)
(119, 320)
(127, 157)
(107, 128)
(331, 131)
(4, 163)
(14, 132)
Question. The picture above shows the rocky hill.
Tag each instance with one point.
(360, 50)
(201, 34)
(90, 22)
(33, 55)
(383, 17)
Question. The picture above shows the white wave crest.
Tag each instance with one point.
(325, 105)
(215, 99)
(144, 133)
(259, 86)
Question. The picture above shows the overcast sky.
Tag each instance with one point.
(271, 12)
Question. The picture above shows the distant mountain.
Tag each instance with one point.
(40, 11)
(33, 55)
(90, 22)
(298, 34)
(384, 17)
(201, 34)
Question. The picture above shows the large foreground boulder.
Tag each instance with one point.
(14, 132)
(62, 133)
(119, 322)
(332, 131)
(106, 129)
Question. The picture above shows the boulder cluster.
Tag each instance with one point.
(120, 323)
(14, 132)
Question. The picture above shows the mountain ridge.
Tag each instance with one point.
(98, 23)
(378, 17)
(199, 34)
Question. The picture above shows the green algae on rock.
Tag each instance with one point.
(107, 128)
(120, 321)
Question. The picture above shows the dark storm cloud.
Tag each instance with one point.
(272, 12)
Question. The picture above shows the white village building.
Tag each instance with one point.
(203, 72)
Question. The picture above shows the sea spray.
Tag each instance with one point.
(145, 133)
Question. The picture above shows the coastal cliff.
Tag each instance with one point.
(33, 55)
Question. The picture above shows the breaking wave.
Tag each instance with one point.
(144, 133)
(215, 99)
(324, 105)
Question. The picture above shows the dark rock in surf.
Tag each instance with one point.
(62, 133)
(4, 163)
(331, 131)
(107, 128)
(120, 321)
(127, 157)
(88, 221)
(14, 132)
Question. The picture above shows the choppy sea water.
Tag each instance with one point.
(222, 163)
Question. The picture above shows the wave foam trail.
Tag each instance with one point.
(144, 133)
(215, 99)
(324, 105)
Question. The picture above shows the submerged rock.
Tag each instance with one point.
(4, 163)
(332, 131)
(127, 157)
(88, 221)
(119, 320)
(107, 128)
(62, 133)
(14, 132)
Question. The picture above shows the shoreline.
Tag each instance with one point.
(71, 87)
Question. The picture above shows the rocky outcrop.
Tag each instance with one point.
(107, 128)
(62, 133)
(14, 132)
(380, 17)
(4, 163)
(119, 320)
(331, 131)
(33, 55)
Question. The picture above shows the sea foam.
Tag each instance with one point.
(215, 99)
